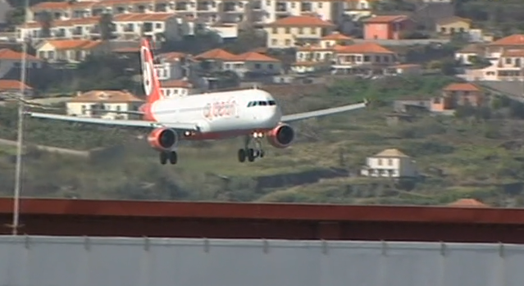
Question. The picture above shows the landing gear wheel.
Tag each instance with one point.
(163, 158)
(261, 153)
(173, 157)
(251, 155)
(242, 155)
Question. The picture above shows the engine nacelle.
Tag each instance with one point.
(281, 136)
(162, 139)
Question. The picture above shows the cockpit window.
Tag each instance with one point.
(261, 103)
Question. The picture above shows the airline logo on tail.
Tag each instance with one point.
(149, 76)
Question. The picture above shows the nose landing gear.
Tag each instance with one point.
(251, 153)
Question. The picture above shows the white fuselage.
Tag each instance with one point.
(250, 109)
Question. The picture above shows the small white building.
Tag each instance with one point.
(390, 163)
(177, 88)
(101, 103)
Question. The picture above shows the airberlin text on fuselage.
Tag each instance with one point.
(220, 109)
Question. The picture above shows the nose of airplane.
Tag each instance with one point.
(270, 115)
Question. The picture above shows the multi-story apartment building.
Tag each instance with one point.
(209, 11)
(296, 30)
(127, 26)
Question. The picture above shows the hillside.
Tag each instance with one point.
(476, 154)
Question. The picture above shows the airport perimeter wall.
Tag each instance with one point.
(87, 261)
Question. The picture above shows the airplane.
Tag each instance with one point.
(249, 113)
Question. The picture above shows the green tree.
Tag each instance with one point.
(106, 26)
(247, 40)
(46, 21)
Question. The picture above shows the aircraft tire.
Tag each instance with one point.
(261, 153)
(251, 155)
(241, 155)
(163, 158)
(173, 158)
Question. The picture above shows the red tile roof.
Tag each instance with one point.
(74, 44)
(364, 48)
(109, 96)
(172, 56)
(386, 19)
(513, 40)
(140, 17)
(461, 87)
(336, 36)
(7, 84)
(254, 57)
(301, 21)
(7, 54)
(215, 54)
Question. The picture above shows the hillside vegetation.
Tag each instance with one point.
(476, 153)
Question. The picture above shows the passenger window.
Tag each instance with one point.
(263, 103)
(250, 104)
(272, 102)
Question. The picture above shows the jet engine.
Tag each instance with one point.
(281, 136)
(162, 139)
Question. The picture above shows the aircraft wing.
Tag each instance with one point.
(323, 112)
(182, 126)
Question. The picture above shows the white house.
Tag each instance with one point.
(70, 51)
(172, 65)
(247, 63)
(177, 88)
(100, 103)
(158, 26)
(390, 163)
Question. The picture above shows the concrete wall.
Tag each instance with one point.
(56, 261)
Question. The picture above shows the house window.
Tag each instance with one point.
(508, 61)
(274, 42)
(380, 162)
(288, 30)
(390, 162)
(319, 4)
(270, 66)
(158, 25)
(257, 66)
(366, 58)
(288, 42)
(301, 30)
(443, 29)
(275, 30)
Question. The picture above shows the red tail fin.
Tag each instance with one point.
(149, 75)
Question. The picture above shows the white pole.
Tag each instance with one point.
(18, 174)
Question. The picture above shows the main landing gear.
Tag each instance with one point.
(251, 153)
(170, 156)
